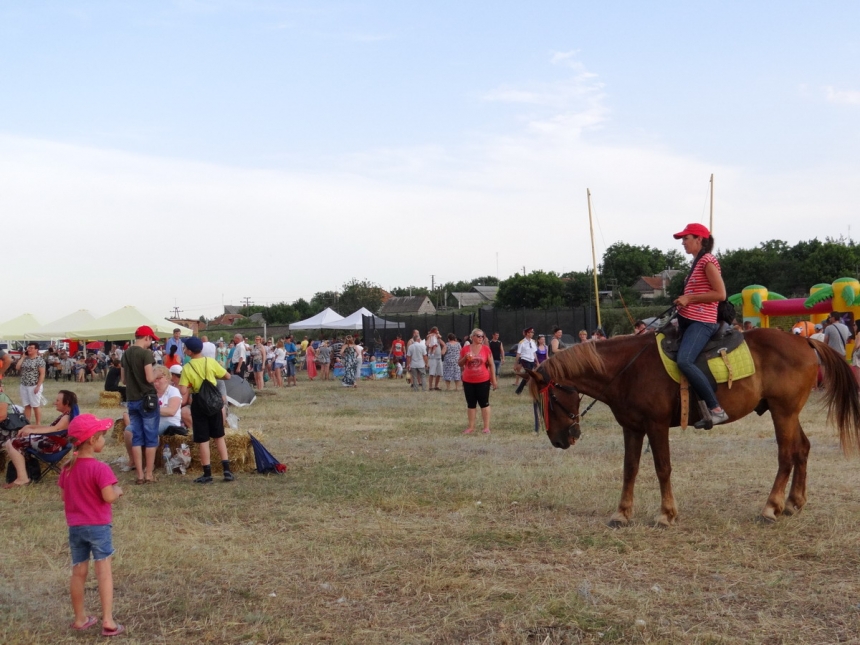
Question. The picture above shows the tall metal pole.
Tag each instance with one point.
(593, 259)
(711, 227)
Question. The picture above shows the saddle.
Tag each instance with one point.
(725, 358)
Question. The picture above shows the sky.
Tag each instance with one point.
(194, 153)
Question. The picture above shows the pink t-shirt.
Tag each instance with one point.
(476, 370)
(82, 492)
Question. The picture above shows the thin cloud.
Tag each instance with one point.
(843, 97)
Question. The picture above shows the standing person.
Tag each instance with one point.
(258, 355)
(697, 313)
(240, 355)
(324, 359)
(138, 376)
(221, 354)
(291, 352)
(479, 375)
(88, 488)
(31, 367)
(556, 344)
(175, 341)
(542, 351)
(398, 350)
(526, 354)
(583, 336)
(450, 370)
(279, 364)
(205, 426)
(350, 358)
(836, 334)
(498, 351)
(598, 334)
(209, 349)
(311, 360)
(819, 334)
(435, 353)
(415, 363)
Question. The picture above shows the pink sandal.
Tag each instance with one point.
(91, 620)
(467, 431)
(486, 431)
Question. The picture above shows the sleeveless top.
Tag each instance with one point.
(561, 346)
(698, 283)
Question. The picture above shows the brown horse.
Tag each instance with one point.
(626, 373)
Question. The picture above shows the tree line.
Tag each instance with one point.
(784, 269)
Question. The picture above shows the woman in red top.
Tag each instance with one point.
(697, 313)
(479, 374)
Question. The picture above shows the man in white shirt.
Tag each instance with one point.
(209, 349)
(240, 355)
(526, 353)
(415, 364)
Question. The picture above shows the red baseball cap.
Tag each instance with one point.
(144, 331)
(699, 230)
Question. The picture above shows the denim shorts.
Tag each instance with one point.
(143, 425)
(92, 539)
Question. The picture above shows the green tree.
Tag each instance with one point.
(409, 291)
(357, 294)
(626, 263)
(579, 288)
(323, 299)
(536, 290)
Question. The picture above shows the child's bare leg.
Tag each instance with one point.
(203, 449)
(76, 587)
(105, 580)
(221, 445)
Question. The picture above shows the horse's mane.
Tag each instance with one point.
(572, 362)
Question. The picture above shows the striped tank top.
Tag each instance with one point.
(698, 283)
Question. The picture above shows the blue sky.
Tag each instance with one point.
(276, 149)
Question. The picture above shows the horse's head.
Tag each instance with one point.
(559, 408)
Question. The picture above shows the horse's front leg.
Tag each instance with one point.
(659, 440)
(632, 453)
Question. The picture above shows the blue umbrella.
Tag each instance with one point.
(266, 462)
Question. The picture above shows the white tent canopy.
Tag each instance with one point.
(353, 320)
(16, 328)
(62, 327)
(326, 319)
(122, 323)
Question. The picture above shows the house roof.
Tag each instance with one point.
(468, 298)
(403, 304)
(489, 293)
(653, 282)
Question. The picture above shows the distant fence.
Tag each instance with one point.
(382, 336)
(511, 322)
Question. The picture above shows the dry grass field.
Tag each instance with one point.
(392, 527)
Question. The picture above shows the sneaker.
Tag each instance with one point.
(203, 479)
(228, 476)
(719, 417)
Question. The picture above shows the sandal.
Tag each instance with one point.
(116, 631)
(468, 431)
(139, 481)
(91, 620)
(486, 431)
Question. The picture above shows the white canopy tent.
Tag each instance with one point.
(355, 321)
(122, 323)
(16, 328)
(62, 327)
(323, 320)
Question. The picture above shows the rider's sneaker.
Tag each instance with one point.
(719, 417)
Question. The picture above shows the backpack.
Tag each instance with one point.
(208, 397)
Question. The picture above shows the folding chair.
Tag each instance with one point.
(51, 449)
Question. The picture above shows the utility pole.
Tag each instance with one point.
(248, 302)
(524, 269)
(177, 311)
(432, 283)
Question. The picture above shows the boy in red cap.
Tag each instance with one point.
(88, 488)
(138, 377)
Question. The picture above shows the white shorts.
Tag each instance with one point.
(435, 367)
(30, 398)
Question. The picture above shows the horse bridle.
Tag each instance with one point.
(549, 398)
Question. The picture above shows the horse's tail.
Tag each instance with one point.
(841, 395)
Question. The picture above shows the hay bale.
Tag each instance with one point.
(238, 447)
(110, 399)
(118, 429)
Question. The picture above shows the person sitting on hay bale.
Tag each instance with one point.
(207, 423)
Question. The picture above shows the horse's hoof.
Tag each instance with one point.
(765, 520)
(617, 524)
(791, 510)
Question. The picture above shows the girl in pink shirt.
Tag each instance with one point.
(88, 487)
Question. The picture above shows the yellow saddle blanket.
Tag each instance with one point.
(740, 360)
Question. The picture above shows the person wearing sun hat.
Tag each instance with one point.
(138, 376)
(697, 314)
(88, 488)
